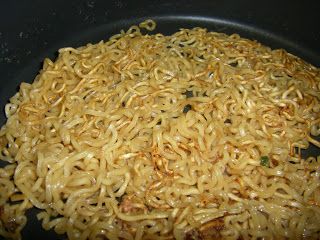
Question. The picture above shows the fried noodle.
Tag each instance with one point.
(196, 135)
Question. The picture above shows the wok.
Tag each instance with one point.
(33, 30)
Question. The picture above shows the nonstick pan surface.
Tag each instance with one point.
(33, 30)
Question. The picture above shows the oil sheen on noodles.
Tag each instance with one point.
(196, 135)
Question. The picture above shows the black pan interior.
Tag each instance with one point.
(31, 32)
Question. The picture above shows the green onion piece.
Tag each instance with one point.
(264, 161)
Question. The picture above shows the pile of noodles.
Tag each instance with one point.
(197, 135)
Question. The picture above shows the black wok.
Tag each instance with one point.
(33, 30)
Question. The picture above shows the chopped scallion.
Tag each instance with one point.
(264, 161)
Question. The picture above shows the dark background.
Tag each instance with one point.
(33, 30)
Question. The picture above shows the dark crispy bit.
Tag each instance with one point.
(11, 225)
(102, 237)
(1, 210)
(211, 230)
(208, 231)
(3, 142)
(233, 64)
(227, 120)
(187, 108)
(119, 199)
(189, 94)
(193, 235)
